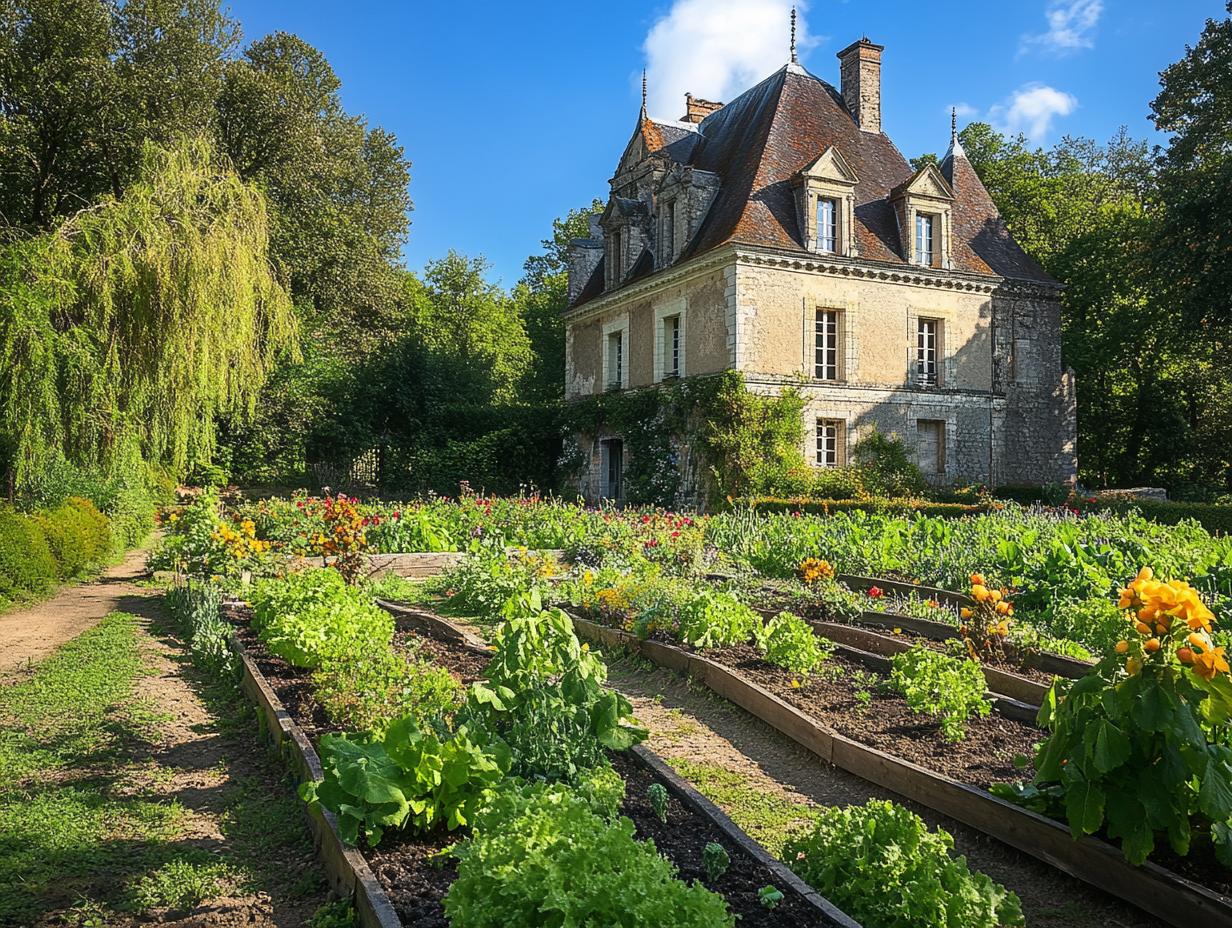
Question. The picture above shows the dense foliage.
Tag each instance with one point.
(542, 857)
(938, 684)
(880, 864)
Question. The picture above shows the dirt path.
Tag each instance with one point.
(688, 722)
(30, 634)
(192, 746)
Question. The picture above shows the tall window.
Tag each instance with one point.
(617, 257)
(671, 347)
(669, 233)
(926, 351)
(616, 360)
(827, 225)
(924, 240)
(830, 435)
(827, 345)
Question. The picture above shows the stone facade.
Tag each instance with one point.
(712, 255)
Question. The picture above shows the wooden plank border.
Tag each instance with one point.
(829, 913)
(347, 870)
(1152, 888)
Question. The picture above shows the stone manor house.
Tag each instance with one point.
(784, 235)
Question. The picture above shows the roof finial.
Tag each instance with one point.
(953, 124)
(794, 60)
(643, 91)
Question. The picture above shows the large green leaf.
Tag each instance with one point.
(1215, 795)
(1084, 806)
(1154, 709)
(1107, 746)
(1127, 821)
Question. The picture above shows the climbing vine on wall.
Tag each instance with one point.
(744, 441)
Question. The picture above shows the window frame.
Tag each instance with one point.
(928, 356)
(823, 368)
(941, 428)
(830, 440)
(827, 240)
(614, 365)
(923, 257)
(668, 232)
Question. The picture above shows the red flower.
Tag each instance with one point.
(397, 515)
(875, 592)
(795, 515)
(675, 534)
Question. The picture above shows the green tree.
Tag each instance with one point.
(142, 317)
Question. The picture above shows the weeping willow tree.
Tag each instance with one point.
(141, 318)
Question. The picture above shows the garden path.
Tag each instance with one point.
(30, 634)
(758, 775)
(191, 746)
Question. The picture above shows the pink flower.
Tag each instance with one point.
(875, 592)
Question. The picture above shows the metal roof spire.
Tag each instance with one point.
(643, 91)
(953, 123)
(794, 59)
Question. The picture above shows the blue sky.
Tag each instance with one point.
(512, 113)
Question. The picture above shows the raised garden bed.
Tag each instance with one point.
(402, 881)
(1180, 899)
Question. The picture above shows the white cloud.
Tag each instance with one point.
(1030, 110)
(1070, 23)
(716, 49)
(961, 110)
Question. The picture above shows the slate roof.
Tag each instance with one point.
(758, 141)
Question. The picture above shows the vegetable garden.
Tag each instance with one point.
(1038, 663)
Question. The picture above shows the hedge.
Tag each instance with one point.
(829, 506)
(1215, 519)
(38, 549)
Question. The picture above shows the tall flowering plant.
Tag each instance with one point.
(986, 625)
(1140, 744)
(343, 539)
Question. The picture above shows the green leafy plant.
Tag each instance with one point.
(365, 692)
(411, 777)
(540, 855)
(715, 860)
(708, 619)
(656, 793)
(881, 865)
(769, 896)
(788, 641)
(1141, 742)
(195, 606)
(939, 684)
(316, 616)
(542, 671)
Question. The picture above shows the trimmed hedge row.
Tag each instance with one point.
(828, 506)
(38, 549)
(1215, 519)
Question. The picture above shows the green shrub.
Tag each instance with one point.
(541, 856)
(788, 641)
(195, 606)
(314, 616)
(714, 620)
(77, 535)
(935, 683)
(366, 692)
(26, 562)
(825, 507)
(881, 865)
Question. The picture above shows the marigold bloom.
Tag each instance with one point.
(1122, 647)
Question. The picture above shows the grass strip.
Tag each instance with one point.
(768, 818)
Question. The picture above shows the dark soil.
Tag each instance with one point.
(682, 840)
(984, 756)
(414, 881)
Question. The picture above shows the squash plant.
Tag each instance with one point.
(1140, 743)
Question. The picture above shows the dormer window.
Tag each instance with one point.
(616, 257)
(924, 240)
(825, 203)
(924, 205)
(827, 224)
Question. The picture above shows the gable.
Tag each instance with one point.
(926, 182)
(830, 166)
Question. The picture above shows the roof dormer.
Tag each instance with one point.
(826, 202)
(923, 204)
(626, 228)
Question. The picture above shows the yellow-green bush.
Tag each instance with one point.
(37, 549)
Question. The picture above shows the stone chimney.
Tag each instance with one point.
(698, 109)
(861, 75)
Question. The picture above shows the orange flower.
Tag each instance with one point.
(1209, 663)
(977, 579)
